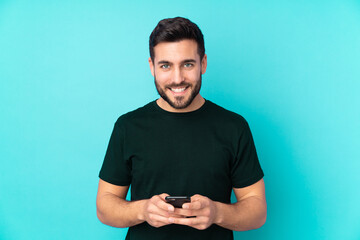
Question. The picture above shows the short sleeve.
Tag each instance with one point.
(115, 168)
(246, 169)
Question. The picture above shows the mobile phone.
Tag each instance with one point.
(177, 201)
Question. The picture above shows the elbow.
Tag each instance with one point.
(105, 214)
(262, 217)
(99, 213)
(261, 221)
(255, 223)
(105, 220)
(101, 216)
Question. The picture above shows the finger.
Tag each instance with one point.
(159, 221)
(163, 196)
(160, 202)
(186, 212)
(185, 221)
(196, 205)
(158, 211)
(153, 207)
(165, 206)
(196, 197)
(175, 215)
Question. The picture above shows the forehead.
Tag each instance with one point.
(176, 51)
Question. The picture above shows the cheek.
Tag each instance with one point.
(193, 76)
(163, 77)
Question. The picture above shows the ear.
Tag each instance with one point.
(203, 64)
(151, 64)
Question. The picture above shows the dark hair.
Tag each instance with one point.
(174, 30)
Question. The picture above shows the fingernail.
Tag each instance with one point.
(171, 209)
(185, 206)
(171, 220)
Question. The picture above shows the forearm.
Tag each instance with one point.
(117, 212)
(247, 214)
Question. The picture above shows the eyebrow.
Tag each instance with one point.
(184, 61)
(163, 62)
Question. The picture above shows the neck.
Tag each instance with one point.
(195, 104)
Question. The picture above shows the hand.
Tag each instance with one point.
(157, 211)
(202, 211)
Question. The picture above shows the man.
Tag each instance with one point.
(181, 145)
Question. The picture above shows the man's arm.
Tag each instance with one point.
(249, 212)
(114, 210)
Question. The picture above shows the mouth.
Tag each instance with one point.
(178, 90)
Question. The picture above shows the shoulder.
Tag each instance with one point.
(137, 114)
(226, 116)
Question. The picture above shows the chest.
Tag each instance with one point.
(180, 161)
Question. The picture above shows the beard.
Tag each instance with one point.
(180, 102)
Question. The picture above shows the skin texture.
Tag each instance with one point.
(177, 65)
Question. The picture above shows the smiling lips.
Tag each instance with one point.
(178, 90)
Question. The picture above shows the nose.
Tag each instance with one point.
(178, 76)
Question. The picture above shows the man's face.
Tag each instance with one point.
(177, 70)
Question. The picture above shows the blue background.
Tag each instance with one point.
(68, 69)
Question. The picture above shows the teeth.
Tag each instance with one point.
(177, 90)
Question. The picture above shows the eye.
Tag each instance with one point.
(187, 65)
(165, 66)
